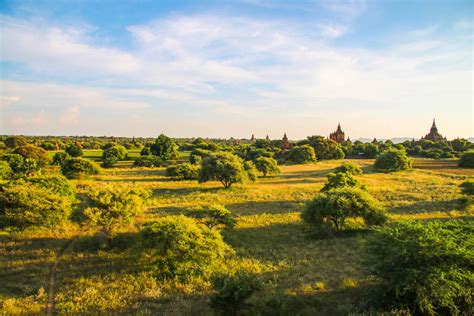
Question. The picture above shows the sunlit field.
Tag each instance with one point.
(301, 274)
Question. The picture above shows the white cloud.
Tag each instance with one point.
(332, 30)
(350, 8)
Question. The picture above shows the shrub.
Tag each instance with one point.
(325, 148)
(19, 165)
(5, 171)
(146, 151)
(49, 146)
(467, 160)
(223, 167)
(74, 150)
(467, 187)
(24, 204)
(148, 161)
(59, 158)
(231, 291)
(250, 170)
(56, 183)
(425, 267)
(112, 207)
(78, 168)
(214, 216)
(301, 154)
(392, 160)
(330, 210)
(348, 167)
(108, 162)
(341, 180)
(177, 247)
(197, 156)
(184, 171)
(111, 155)
(32, 152)
(267, 166)
(16, 141)
(165, 148)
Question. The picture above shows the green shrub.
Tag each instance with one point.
(330, 210)
(24, 204)
(177, 247)
(301, 154)
(118, 152)
(223, 167)
(77, 168)
(148, 161)
(325, 148)
(197, 155)
(267, 166)
(59, 158)
(348, 167)
(184, 171)
(467, 187)
(250, 170)
(214, 216)
(32, 152)
(15, 141)
(341, 180)
(5, 171)
(232, 291)
(108, 162)
(165, 148)
(111, 207)
(425, 267)
(74, 151)
(19, 165)
(392, 160)
(56, 183)
(467, 159)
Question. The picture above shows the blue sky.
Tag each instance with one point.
(232, 68)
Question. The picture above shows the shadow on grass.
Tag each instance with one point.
(429, 206)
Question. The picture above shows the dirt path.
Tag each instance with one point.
(52, 277)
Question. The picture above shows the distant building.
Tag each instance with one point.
(253, 138)
(338, 136)
(434, 135)
(285, 144)
(267, 138)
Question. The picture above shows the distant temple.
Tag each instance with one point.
(267, 138)
(253, 138)
(285, 144)
(338, 136)
(433, 135)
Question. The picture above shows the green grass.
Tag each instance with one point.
(301, 274)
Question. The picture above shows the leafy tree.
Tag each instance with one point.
(112, 207)
(24, 204)
(111, 155)
(197, 155)
(325, 148)
(16, 141)
(184, 171)
(460, 144)
(19, 165)
(33, 152)
(347, 167)
(49, 146)
(250, 170)
(5, 171)
(467, 187)
(223, 167)
(214, 216)
(77, 168)
(267, 166)
(177, 247)
(392, 160)
(371, 150)
(74, 150)
(467, 159)
(148, 161)
(165, 148)
(232, 291)
(301, 154)
(330, 210)
(59, 158)
(424, 267)
(56, 183)
(146, 151)
(341, 180)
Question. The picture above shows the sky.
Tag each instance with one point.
(235, 68)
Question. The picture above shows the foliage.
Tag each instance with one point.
(19, 165)
(223, 167)
(301, 154)
(111, 207)
(250, 170)
(5, 171)
(392, 160)
(49, 146)
(467, 160)
(231, 291)
(146, 151)
(16, 141)
(25, 204)
(267, 166)
(111, 155)
(78, 168)
(56, 183)
(32, 152)
(59, 158)
(467, 187)
(184, 171)
(332, 208)
(197, 155)
(325, 148)
(74, 150)
(148, 161)
(425, 267)
(214, 216)
(341, 180)
(177, 247)
(348, 167)
(164, 148)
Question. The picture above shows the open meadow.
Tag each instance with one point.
(300, 274)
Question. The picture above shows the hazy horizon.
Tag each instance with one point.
(236, 68)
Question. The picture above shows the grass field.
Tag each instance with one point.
(301, 274)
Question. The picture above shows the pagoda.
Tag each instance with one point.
(338, 136)
(434, 135)
(285, 144)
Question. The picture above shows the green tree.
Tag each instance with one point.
(301, 154)
(267, 166)
(111, 155)
(184, 171)
(214, 216)
(223, 167)
(57, 183)
(78, 168)
(6, 171)
(467, 187)
(148, 161)
(460, 144)
(250, 170)
(347, 167)
(325, 148)
(392, 160)
(425, 267)
(16, 141)
(165, 148)
(19, 165)
(74, 150)
(32, 152)
(341, 180)
(467, 160)
(59, 158)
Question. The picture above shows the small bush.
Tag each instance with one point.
(24, 204)
(330, 210)
(59, 158)
(392, 160)
(467, 187)
(56, 183)
(348, 167)
(341, 180)
(78, 168)
(223, 167)
(301, 154)
(267, 166)
(184, 171)
(32, 152)
(425, 267)
(177, 247)
(19, 165)
(74, 151)
(5, 171)
(467, 160)
(232, 291)
(214, 216)
(148, 162)
(108, 162)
